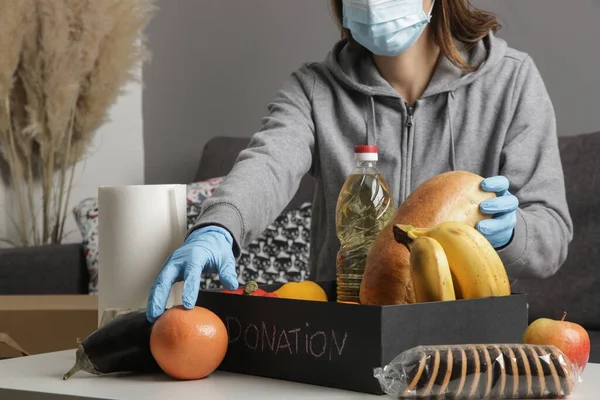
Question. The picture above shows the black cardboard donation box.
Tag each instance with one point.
(338, 345)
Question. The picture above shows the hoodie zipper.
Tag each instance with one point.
(410, 113)
(410, 120)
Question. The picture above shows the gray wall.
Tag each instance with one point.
(215, 67)
(563, 38)
(217, 64)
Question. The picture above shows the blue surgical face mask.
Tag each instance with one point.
(385, 27)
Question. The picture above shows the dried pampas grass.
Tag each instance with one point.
(64, 64)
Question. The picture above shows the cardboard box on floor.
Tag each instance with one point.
(46, 323)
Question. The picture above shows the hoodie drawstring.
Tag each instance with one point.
(449, 111)
(370, 122)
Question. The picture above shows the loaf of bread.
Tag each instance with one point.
(450, 196)
(490, 371)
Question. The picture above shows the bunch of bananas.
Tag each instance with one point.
(452, 260)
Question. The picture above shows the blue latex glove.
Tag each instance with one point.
(205, 249)
(500, 228)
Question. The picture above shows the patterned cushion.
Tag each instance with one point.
(280, 254)
(86, 217)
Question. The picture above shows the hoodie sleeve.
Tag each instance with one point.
(531, 162)
(268, 172)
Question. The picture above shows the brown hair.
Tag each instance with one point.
(451, 20)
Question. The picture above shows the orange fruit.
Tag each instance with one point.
(306, 290)
(188, 344)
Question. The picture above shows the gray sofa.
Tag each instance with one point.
(575, 288)
(47, 270)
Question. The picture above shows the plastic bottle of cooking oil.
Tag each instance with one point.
(365, 205)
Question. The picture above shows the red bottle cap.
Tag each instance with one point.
(361, 149)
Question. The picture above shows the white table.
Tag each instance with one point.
(39, 378)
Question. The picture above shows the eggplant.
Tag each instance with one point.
(121, 345)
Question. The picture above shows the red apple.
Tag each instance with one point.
(570, 338)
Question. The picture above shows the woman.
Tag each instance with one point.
(432, 86)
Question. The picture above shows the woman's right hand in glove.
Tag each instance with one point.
(206, 249)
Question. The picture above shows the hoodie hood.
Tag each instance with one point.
(356, 69)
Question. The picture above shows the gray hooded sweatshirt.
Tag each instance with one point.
(498, 120)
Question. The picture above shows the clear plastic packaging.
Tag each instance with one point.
(479, 371)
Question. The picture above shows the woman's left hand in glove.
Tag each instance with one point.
(500, 228)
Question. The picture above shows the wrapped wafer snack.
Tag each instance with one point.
(479, 371)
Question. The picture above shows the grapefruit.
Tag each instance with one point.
(188, 344)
